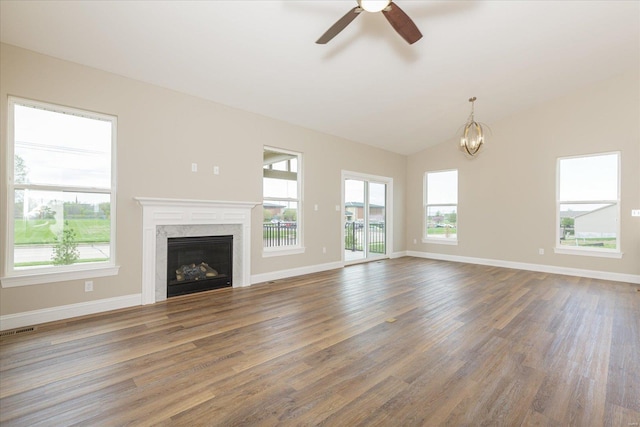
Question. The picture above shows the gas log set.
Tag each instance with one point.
(197, 264)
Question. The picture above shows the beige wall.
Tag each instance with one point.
(507, 193)
(160, 133)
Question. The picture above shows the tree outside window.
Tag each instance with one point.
(62, 188)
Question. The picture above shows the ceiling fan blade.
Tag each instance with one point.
(401, 22)
(339, 25)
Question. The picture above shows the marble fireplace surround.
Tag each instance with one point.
(164, 218)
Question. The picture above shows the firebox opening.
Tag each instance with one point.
(197, 264)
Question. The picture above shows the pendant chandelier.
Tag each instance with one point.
(473, 134)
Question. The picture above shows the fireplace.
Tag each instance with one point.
(197, 264)
(167, 218)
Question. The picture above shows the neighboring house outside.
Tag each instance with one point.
(354, 211)
(597, 223)
(274, 210)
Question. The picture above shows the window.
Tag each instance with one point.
(61, 192)
(281, 187)
(588, 205)
(441, 206)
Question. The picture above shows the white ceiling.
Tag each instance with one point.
(367, 84)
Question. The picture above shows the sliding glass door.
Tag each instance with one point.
(365, 217)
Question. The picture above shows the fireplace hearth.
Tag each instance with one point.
(197, 264)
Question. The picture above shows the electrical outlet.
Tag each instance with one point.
(635, 212)
(415, 241)
(315, 207)
(194, 167)
(216, 170)
(324, 250)
(88, 286)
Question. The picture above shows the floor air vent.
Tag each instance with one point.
(17, 331)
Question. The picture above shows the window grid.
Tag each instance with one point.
(440, 222)
(61, 184)
(282, 201)
(584, 225)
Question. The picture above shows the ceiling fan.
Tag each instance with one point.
(399, 20)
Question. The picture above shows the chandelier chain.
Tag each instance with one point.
(472, 101)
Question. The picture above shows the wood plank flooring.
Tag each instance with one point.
(402, 342)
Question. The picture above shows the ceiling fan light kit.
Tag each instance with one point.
(472, 137)
(398, 19)
(374, 5)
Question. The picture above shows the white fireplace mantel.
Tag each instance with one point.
(159, 212)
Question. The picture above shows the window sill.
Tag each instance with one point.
(440, 241)
(588, 252)
(24, 278)
(267, 253)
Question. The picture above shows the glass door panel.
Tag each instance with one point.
(365, 228)
(354, 236)
(377, 236)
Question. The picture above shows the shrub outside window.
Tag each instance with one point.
(441, 206)
(588, 204)
(61, 189)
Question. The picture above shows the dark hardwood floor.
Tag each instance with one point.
(403, 342)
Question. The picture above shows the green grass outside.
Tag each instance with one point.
(441, 230)
(39, 231)
(48, 263)
(377, 248)
(604, 242)
(284, 234)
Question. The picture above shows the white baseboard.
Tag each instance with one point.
(398, 254)
(593, 274)
(35, 317)
(283, 274)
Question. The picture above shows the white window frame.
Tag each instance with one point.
(50, 274)
(299, 247)
(582, 250)
(439, 240)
